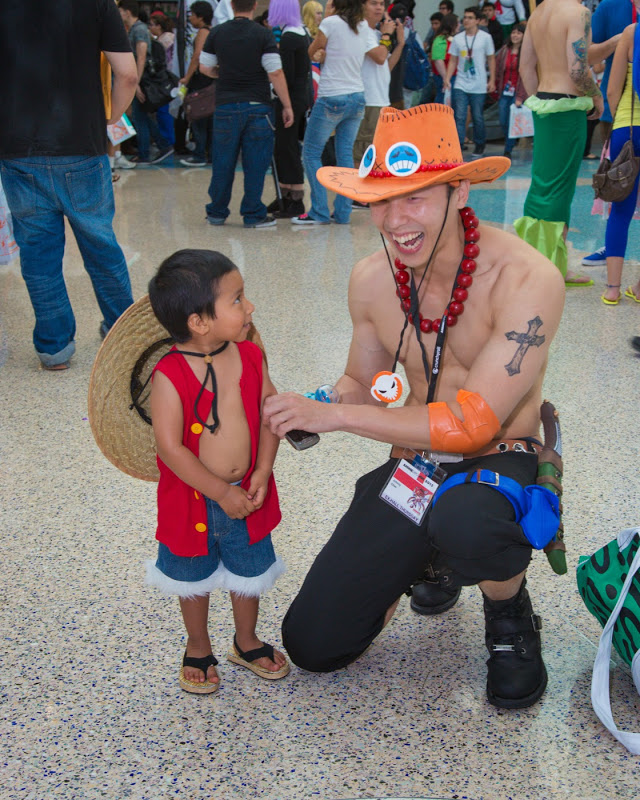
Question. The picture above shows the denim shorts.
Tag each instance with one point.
(231, 563)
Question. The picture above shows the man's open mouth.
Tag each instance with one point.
(408, 242)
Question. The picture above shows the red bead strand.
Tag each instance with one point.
(460, 294)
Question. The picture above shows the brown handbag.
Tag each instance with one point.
(613, 182)
(201, 103)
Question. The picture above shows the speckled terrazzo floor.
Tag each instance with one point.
(89, 702)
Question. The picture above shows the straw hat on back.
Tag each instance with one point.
(120, 389)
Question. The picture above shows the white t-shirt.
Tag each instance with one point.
(376, 79)
(341, 71)
(477, 47)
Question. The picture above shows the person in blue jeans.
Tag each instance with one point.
(509, 83)
(41, 192)
(346, 39)
(53, 162)
(472, 55)
(247, 59)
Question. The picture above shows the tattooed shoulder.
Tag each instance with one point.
(525, 340)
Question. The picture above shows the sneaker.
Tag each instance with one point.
(193, 161)
(356, 205)
(216, 221)
(478, 152)
(121, 162)
(161, 155)
(292, 208)
(597, 259)
(507, 154)
(306, 219)
(267, 222)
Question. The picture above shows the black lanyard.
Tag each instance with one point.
(470, 49)
(432, 375)
(210, 374)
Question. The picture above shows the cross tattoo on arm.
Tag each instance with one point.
(525, 341)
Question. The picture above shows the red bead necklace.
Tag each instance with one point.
(464, 280)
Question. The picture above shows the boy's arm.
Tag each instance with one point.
(267, 447)
(166, 413)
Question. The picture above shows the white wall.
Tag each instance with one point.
(423, 10)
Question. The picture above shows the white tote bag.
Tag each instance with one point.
(520, 122)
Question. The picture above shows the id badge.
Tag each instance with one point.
(509, 90)
(411, 486)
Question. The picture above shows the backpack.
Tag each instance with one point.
(157, 82)
(417, 70)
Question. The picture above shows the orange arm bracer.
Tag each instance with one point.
(478, 427)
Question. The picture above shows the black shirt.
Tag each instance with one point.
(50, 91)
(239, 45)
(296, 66)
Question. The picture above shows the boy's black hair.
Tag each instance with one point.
(203, 10)
(437, 16)
(187, 283)
(475, 10)
(130, 5)
(485, 4)
(448, 4)
(242, 6)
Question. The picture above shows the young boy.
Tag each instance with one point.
(217, 500)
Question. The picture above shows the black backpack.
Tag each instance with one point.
(157, 82)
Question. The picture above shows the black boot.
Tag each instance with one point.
(275, 205)
(516, 675)
(293, 206)
(431, 598)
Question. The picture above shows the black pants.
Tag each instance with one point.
(287, 146)
(376, 553)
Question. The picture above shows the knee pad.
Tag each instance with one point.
(477, 428)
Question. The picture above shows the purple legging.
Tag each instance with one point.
(622, 212)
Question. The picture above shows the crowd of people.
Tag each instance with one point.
(481, 427)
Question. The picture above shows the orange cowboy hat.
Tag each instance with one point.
(411, 150)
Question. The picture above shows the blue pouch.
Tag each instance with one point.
(537, 509)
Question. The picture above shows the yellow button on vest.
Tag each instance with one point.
(201, 527)
(196, 428)
(197, 496)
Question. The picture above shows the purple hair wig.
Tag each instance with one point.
(285, 12)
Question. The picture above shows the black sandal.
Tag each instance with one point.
(236, 656)
(203, 664)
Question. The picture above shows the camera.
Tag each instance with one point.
(398, 11)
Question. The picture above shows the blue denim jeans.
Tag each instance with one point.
(41, 191)
(461, 101)
(504, 106)
(342, 114)
(147, 129)
(249, 129)
(201, 130)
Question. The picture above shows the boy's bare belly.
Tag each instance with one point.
(227, 452)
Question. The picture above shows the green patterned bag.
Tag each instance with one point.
(609, 584)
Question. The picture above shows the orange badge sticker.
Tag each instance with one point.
(387, 387)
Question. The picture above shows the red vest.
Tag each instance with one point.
(182, 512)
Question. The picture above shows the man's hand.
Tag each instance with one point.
(140, 94)
(236, 503)
(518, 103)
(400, 32)
(491, 86)
(258, 485)
(387, 26)
(287, 116)
(598, 108)
(290, 411)
(320, 55)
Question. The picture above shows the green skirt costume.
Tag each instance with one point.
(560, 128)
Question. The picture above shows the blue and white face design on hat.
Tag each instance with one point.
(403, 159)
(368, 160)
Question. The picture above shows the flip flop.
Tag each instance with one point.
(615, 302)
(236, 656)
(56, 367)
(628, 292)
(579, 282)
(205, 687)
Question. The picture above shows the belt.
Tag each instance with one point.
(504, 446)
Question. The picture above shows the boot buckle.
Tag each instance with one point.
(503, 648)
(536, 623)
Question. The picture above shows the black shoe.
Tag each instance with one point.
(355, 204)
(292, 208)
(516, 675)
(478, 152)
(161, 155)
(507, 154)
(430, 598)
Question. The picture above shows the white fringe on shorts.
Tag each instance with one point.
(221, 579)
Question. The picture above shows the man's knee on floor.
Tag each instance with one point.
(308, 648)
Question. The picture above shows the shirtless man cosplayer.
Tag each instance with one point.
(561, 88)
(473, 406)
